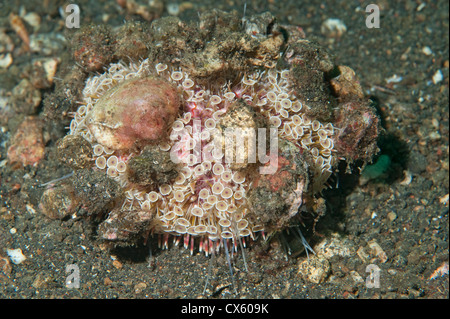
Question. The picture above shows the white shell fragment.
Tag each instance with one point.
(16, 255)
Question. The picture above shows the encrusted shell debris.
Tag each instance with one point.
(121, 117)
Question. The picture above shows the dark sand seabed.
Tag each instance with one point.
(397, 223)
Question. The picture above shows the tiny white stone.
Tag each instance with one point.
(16, 255)
(438, 77)
(5, 60)
(356, 276)
(33, 19)
(394, 79)
(421, 6)
(3, 163)
(173, 9)
(426, 50)
(30, 209)
(333, 27)
(408, 178)
(444, 199)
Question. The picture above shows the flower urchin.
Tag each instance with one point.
(165, 139)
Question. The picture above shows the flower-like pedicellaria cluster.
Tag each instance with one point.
(164, 138)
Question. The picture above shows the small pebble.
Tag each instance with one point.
(33, 19)
(30, 209)
(356, 276)
(117, 264)
(140, 287)
(378, 251)
(408, 178)
(421, 6)
(426, 50)
(173, 9)
(107, 282)
(5, 60)
(438, 77)
(362, 254)
(391, 216)
(16, 255)
(335, 245)
(333, 28)
(434, 136)
(394, 79)
(315, 269)
(444, 199)
(47, 43)
(27, 144)
(5, 266)
(392, 272)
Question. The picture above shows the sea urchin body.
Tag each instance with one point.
(137, 113)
